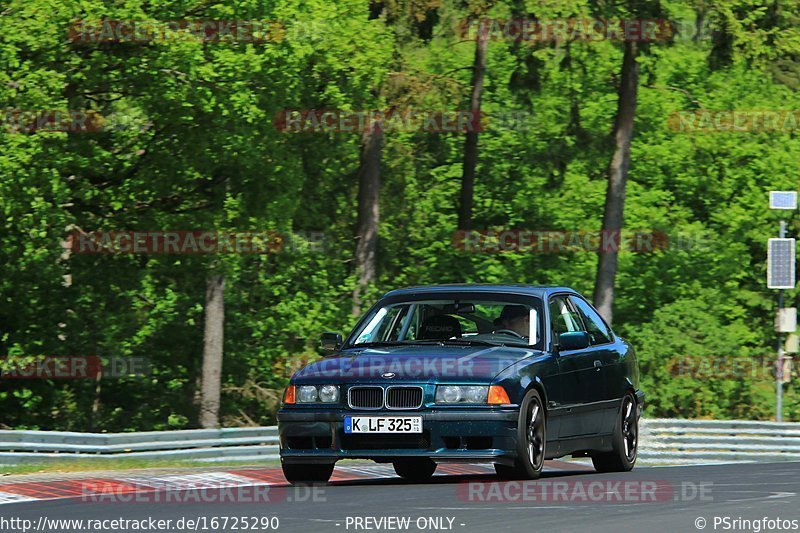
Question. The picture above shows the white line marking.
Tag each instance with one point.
(9, 497)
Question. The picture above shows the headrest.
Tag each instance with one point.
(440, 327)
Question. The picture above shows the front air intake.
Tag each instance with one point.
(404, 397)
(365, 397)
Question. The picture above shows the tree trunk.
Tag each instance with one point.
(369, 183)
(471, 142)
(212, 351)
(96, 404)
(617, 178)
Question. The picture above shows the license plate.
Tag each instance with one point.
(383, 424)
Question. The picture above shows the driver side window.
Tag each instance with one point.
(562, 317)
(597, 329)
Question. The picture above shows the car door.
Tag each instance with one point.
(603, 349)
(578, 374)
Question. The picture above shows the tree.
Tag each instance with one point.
(617, 180)
(470, 160)
(189, 144)
(213, 336)
(369, 185)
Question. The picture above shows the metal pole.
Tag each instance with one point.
(779, 373)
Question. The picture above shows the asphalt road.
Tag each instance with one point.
(750, 496)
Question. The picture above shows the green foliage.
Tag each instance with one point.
(194, 147)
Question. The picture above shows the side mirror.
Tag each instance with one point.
(330, 341)
(573, 340)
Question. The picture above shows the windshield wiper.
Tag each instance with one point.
(428, 342)
(379, 343)
(459, 342)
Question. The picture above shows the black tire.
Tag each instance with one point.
(301, 473)
(418, 470)
(531, 440)
(625, 441)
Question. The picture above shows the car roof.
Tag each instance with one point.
(541, 291)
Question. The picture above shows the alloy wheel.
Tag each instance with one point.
(630, 429)
(535, 435)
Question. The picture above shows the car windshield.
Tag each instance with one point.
(480, 322)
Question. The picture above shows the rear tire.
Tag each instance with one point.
(531, 439)
(625, 440)
(311, 473)
(418, 470)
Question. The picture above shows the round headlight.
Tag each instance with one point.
(476, 394)
(329, 393)
(451, 394)
(307, 394)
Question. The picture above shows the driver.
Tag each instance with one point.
(516, 318)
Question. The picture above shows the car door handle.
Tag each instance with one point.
(597, 365)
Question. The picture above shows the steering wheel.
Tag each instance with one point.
(509, 332)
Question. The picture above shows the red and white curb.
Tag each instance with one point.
(89, 488)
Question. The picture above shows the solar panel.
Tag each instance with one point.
(780, 264)
(783, 199)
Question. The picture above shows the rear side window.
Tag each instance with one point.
(597, 329)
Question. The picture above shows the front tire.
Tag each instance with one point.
(625, 441)
(531, 439)
(417, 470)
(311, 473)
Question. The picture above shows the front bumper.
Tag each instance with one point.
(477, 435)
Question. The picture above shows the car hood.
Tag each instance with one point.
(415, 363)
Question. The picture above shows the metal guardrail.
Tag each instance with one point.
(661, 441)
(195, 444)
(667, 440)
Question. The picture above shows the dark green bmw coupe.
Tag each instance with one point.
(504, 374)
